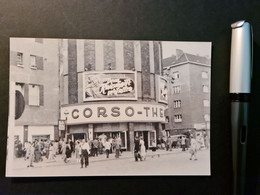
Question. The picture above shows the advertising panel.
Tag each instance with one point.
(110, 85)
(163, 90)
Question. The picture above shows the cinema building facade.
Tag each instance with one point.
(112, 88)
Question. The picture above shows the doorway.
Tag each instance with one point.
(76, 136)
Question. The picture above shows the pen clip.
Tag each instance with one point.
(252, 51)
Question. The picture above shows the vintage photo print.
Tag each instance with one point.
(108, 108)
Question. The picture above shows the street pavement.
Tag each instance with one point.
(161, 162)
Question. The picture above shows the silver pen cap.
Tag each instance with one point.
(241, 58)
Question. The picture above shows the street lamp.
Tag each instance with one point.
(66, 112)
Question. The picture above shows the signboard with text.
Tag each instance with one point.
(119, 112)
(62, 125)
(110, 85)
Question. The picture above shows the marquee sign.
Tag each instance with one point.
(119, 112)
(110, 85)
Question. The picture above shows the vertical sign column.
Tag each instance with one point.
(119, 55)
(145, 70)
(99, 51)
(72, 72)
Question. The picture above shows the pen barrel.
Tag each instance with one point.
(239, 123)
(241, 59)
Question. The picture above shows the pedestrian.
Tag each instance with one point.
(30, 154)
(63, 149)
(117, 148)
(67, 152)
(107, 147)
(193, 148)
(183, 143)
(37, 151)
(77, 150)
(52, 152)
(95, 147)
(119, 140)
(84, 153)
(142, 149)
(136, 148)
(154, 148)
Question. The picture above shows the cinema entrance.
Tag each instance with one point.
(148, 136)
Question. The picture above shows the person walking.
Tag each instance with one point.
(117, 148)
(154, 148)
(77, 150)
(52, 152)
(136, 148)
(142, 149)
(30, 154)
(68, 152)
(84, 153)
(107, 147)
(193, 148)
(95, 147)
(183, 143)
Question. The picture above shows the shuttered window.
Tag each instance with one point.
(34, 95)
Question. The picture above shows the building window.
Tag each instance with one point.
(176, 75)
(204, 75)
(176, 103)
(33, 62)
(206, 103)
(207, 117)
(20, 87)
(177, 118)
(34, 95)
(19, 59)
(176, 89)
(205, 88)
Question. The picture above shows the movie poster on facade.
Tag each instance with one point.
(108, 108)
(110, 85)
(163, 90)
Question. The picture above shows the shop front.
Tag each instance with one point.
(108, 121)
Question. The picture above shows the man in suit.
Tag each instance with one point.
(136, 148)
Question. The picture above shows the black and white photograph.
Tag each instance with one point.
(86, 107)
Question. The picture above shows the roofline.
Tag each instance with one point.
(187, 62)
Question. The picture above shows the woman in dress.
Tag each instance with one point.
(77, 150)
(193, 148)
(142, 149)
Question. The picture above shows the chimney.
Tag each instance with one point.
(179, 53)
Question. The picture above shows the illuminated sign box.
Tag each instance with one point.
(109, 85)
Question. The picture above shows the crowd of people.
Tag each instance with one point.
(81, 150)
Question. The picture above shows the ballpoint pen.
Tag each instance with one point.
(240, 88)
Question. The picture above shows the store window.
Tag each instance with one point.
(152, 137)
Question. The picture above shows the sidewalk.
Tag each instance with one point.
(21, 163)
